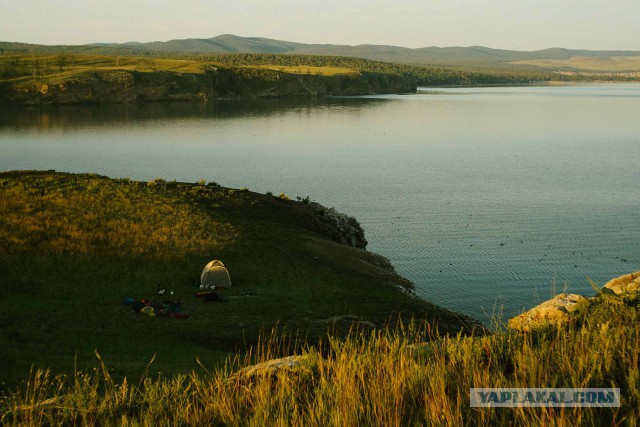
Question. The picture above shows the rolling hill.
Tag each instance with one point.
(228, 43)
(476, 56)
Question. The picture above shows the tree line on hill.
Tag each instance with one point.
(421, 75)
(21, 63)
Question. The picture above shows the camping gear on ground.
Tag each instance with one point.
(162, 291)
(139, 305)
(165, 309)
(172, 306)
(148, 310)
(215, 276)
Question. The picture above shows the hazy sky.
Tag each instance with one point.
(507, 24)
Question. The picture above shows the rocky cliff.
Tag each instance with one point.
(121, 86)
(338, 226)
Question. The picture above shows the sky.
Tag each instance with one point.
(503, 24)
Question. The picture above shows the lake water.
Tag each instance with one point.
(486, 198)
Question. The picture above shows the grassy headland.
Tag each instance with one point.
(72, 247)
(72, 78)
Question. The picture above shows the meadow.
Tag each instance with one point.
(20, 69)
(73, 247)
(614, 64)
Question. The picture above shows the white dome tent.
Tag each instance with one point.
(215, 276)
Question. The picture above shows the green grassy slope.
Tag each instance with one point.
(72, 247)
(51, 68)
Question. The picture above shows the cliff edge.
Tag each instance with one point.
(127, 86)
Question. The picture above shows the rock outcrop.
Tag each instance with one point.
(627, 285)
(340, 227)
(304, 362)
(558, 310)
(552, 312)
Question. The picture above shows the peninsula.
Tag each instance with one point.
(74, 247)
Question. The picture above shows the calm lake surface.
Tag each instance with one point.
(487, 198)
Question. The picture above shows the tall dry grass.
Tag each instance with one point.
(384, 377)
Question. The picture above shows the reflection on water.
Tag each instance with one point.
(50, 118)
(481, 196)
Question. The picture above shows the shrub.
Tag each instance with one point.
(156, 182)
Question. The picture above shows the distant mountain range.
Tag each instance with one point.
(474, 55)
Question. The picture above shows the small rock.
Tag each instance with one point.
(272, 366)
(348, 318)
